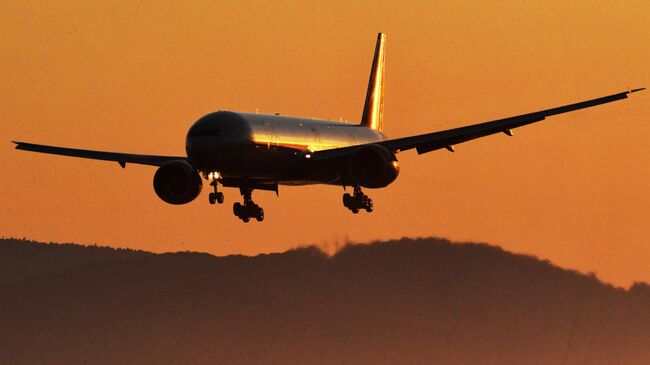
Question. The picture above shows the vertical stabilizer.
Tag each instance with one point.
(373, 109)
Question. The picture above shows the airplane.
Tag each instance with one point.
(252, 151)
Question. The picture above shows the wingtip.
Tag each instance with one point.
(19, 145)
(635, 90)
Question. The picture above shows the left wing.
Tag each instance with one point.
(446, 139)
(121, 158)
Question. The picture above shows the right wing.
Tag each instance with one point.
(121, 158)
(446, 139)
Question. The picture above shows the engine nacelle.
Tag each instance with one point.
(177, 182)
(373, 166)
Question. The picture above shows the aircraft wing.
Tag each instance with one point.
(446, 139)
(121, 158)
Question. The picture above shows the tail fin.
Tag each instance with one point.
(373, 109)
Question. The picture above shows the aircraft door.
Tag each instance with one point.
(314, 145)
(269, 132)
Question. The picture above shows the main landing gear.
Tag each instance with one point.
(244, 211)
(249, 209)
(216, 196)
(357, 201)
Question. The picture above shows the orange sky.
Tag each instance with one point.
(133, 76)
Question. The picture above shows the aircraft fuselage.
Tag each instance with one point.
(272, 148)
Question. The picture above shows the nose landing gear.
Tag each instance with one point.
(216, 196)
(249, 209)
(357, 201)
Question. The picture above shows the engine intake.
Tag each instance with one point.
(373, 166)
(177, 182)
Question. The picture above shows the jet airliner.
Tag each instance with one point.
(252, 151)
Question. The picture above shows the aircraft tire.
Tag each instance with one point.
(369, 207)
(347, 200)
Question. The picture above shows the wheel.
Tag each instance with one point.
(259, 214)
(245, 219)
(237, 209)
(212, 198)
(347, 200)
(355, 210)
(220, 198)
(369, 207)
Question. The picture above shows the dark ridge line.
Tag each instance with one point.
(637, 286)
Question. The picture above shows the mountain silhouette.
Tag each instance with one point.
(21, 259)
(410, 301)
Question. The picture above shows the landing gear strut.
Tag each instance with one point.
(249, 209)
(215, 196)
(357, 201)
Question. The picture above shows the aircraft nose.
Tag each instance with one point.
(213, 140)
(198, 151)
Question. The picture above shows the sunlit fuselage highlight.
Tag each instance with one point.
(270, 147)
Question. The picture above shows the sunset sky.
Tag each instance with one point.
(133, 76)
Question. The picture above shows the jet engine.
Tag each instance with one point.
(177, 182)
(373, 166)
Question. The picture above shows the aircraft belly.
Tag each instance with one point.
(285, 165)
